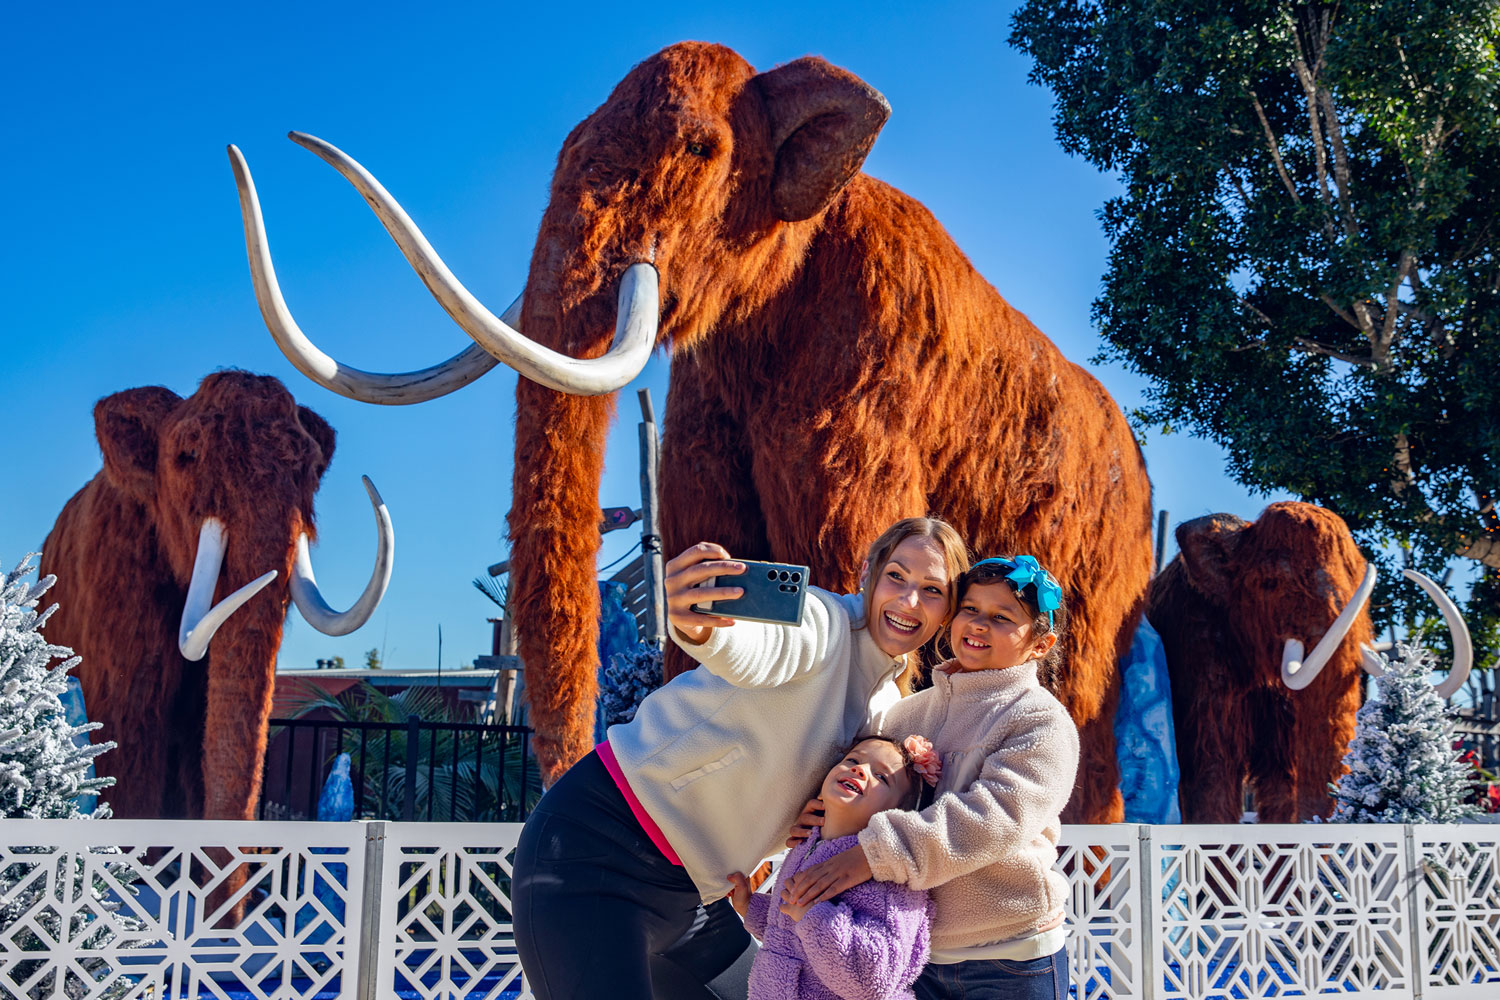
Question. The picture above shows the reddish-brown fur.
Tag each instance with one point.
(830, 374)
(191, 735)
(1224, 607)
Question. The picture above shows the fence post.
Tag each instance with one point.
(369, 919)
(1150, 978)
(413, 741)
(1414, 878)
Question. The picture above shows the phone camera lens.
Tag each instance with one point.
(770, 574)
(796, 577)
(784, 575)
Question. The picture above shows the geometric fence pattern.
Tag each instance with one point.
(256, 911)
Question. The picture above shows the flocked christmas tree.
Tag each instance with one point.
(1402, 765)
(42, 773)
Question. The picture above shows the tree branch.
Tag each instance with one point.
(1313, 347)
(1388, 328)
(1341, 171)
(1271, 143)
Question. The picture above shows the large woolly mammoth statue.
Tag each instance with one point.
(1265, 626)
(200, 498)
(837, 363)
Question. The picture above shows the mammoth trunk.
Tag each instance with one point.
(241, 677)
(554, 536)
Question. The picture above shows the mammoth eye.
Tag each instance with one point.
(186, 457)
(699, 149)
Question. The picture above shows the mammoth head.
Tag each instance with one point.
(688, 196)
(228, 476)
(1294, 579)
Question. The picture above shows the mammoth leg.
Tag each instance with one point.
(1321, 734)
(1274, 757)
(706, 490)
(1212, 750)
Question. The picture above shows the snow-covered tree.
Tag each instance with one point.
(1402, 765)
(42, 771)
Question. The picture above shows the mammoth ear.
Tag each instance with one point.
(1206, 547)
(823, 122)
(128, 425)
(322, 433)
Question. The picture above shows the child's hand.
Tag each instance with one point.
(810, 819)
(827, 879)
(739, 895)
(795, 912)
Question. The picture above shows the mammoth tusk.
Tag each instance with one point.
(1463, 644)
(199, 621)
(367, 387)
(637, 303)
(309, 599)
(1297, 673)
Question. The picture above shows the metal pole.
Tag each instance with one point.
(1161, 540)
(651, 556)
(413, 740)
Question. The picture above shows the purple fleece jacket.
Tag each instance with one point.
(867, 943)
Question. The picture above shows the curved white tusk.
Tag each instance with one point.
(637, 303)
(1463, 645)
(309, 599)
(1297, 673)
(367, 387)
(199, 621)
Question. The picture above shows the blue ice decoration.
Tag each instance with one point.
(618, 633)
(337, 801)
(1144, 738)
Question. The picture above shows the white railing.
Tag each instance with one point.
(365, 910)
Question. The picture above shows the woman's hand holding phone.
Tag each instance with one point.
(684, 573)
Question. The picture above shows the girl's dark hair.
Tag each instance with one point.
(914, 781)
(990, 572)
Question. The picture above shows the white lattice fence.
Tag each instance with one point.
(412, 910)
(127, 908)
(1458, 910)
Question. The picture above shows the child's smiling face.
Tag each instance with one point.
(870, 779)
(993, 630)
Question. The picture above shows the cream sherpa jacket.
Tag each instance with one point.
(724, 757)
(987, 845)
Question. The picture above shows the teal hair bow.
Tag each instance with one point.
(1025, 572)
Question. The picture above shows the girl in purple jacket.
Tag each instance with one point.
(871, 942)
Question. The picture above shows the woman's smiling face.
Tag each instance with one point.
(910, 598)
(993, 630)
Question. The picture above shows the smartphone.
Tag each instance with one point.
(774, 593)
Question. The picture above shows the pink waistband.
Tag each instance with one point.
(607, 757)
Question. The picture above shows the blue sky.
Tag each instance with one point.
(125, 264)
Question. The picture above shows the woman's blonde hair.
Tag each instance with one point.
(955, 558)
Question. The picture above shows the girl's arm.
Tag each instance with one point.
(867, 954)
(1021, 789)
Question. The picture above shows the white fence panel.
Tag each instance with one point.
(1106, 911)
(134, 908)
(1271, 911)
(444, 930)
(1458, 910)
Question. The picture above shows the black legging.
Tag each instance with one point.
(600, 913)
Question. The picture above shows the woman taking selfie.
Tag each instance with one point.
(621, 871)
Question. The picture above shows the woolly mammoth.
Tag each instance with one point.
(837, 363)
(204, 496)
(1238, 609)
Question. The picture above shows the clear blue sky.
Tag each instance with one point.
(124, 263)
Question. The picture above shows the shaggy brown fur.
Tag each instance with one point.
(837, 364)
(192, 735)
(1224, 607)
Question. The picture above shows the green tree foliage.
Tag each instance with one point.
(1303, 260)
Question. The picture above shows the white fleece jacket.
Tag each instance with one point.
(724, 757)
(987, 845)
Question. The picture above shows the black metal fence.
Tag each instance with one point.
(413, 770)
